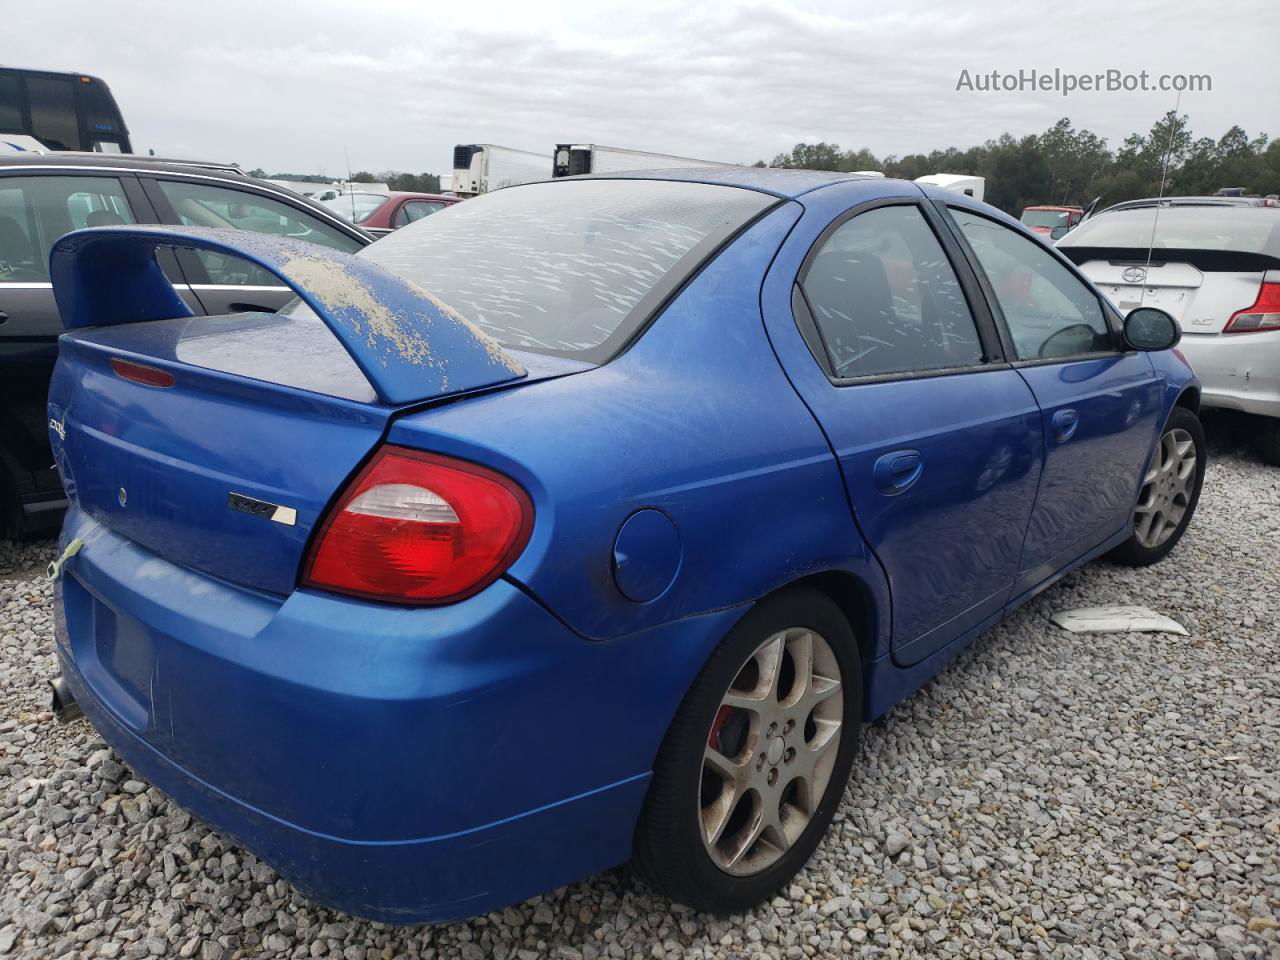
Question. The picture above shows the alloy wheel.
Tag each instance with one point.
(1166, 489)
(770, 751)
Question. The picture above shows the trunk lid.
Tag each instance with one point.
(195, 472)
(1202, 301)
(247, 425)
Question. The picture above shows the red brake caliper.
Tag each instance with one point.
(722, 717)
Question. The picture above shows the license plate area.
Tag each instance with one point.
(114, 653)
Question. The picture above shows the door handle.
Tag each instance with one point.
(3, 316)
(1065, 424)
(897, 472)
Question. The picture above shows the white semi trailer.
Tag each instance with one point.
(572, 159)
(481, 167)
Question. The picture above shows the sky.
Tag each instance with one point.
(394, 85)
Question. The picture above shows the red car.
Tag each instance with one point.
(1051, 221)
(380, 213)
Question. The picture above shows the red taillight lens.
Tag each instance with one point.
(1263, 315)
(419, 528)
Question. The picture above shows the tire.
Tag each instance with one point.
(1164, 490)
(671, 853)
(1269, 441)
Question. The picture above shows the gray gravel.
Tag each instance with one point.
(1049, 795)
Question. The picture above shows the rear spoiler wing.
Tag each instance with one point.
(409, 344)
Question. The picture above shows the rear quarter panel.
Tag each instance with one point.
(695, 420)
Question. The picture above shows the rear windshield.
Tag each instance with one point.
(357, 207)
(1044, 218)
(569, 268)
(1242, 229)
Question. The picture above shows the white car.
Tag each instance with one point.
(1215, 266)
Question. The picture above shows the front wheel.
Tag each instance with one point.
(757, 758)
(1169, 494)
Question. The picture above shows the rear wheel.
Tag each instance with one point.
(1169, 494)
(757, 757)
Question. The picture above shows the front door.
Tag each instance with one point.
(1098, 403)
(938, 438)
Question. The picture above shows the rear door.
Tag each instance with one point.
(938, 438)
(1099, 403)
(226, 284)
(412, 210)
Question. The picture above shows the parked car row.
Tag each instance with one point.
(1213, 263)
(42, 197)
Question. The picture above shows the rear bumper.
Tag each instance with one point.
(407, 765)
(1237, 371)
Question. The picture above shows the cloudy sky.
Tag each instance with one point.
(288, 86)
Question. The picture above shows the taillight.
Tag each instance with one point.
(1265, 312)
(416, 527)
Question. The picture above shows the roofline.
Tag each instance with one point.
(195, 171)
(707, 177)
(60, 158)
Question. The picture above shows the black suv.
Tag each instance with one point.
(44, 196)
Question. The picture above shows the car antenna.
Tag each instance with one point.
(352, 197)
(1155, 220)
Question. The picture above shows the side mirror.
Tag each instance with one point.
(1148, 328)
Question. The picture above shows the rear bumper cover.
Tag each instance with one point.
(1237, 371)
(406, 765)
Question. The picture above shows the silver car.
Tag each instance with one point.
(1216, 269)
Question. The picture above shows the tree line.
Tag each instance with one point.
(1064, 165)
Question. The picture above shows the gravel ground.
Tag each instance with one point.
(1049, 795)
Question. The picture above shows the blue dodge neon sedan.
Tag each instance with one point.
(583, 522)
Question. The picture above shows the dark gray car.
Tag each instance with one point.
(43, 197)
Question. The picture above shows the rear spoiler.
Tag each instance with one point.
(410, 345)
(1206, 261)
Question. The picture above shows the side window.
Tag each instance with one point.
(1048, 311)
(36, 211)
(416, 210)
(886, 300)
(202, 205)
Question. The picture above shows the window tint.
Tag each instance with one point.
(1247, 229)
(201, 205)
(1048, 310)
(54, 120)
(416, 210)
(36, 211)
(357, 207)
(886, 300)
(10, 105)
(560, 267)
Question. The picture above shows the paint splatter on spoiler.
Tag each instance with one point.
(410, 345)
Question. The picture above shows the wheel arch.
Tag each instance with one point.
(856, 602)
(1190, 399)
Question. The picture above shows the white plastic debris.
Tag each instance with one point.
(1116, 620)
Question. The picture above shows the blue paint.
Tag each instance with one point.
(427, 764)
(646, 555)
